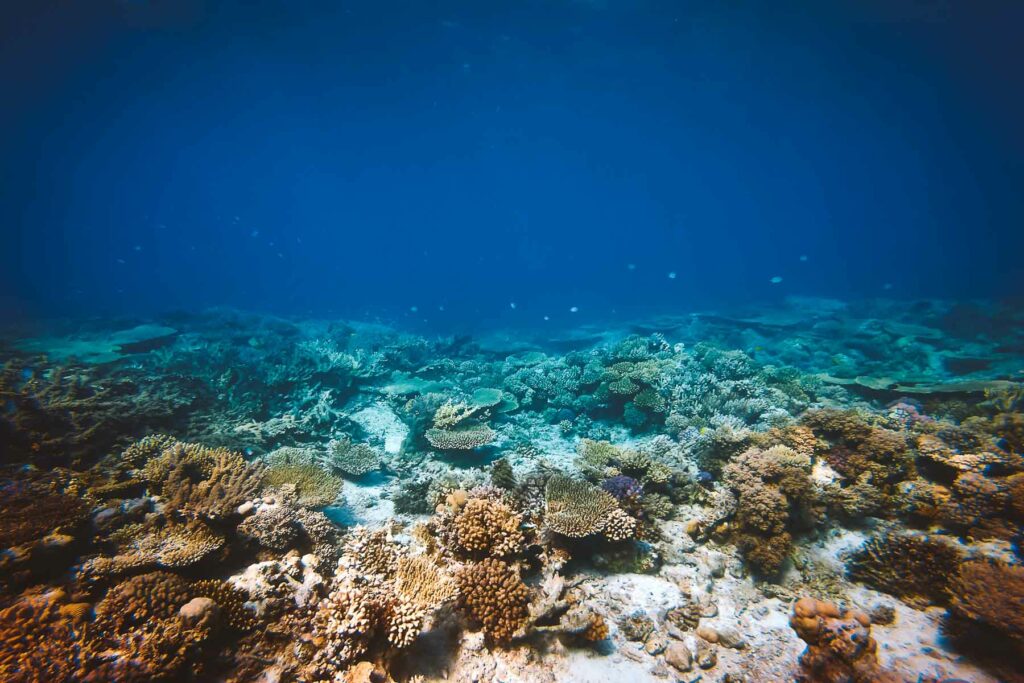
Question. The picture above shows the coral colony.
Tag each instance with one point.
(827, 495)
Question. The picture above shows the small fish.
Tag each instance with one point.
(672, 275)
(776, 280)
(574, 309)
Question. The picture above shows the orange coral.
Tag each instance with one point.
(840, 648)
(495, 596)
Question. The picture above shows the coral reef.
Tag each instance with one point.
(353, 459)
(840, 648)
(915, 567)
(576, 509)
(493, 594)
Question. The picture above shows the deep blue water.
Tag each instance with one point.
(365, 158)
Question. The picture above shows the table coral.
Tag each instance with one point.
(310, 484)
(460, 439)
(353, 459)
(576, 509)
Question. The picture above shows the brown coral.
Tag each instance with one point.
(31, 511)
(914, 567)
(493, 595)
(576, 509)
(774, 497)
(370, 553)
(987, 604)
(485, 527)
(840, 648)
(141, 599)
(230, 482)
(423, 583)
(296, 470)
(231, 601)
(37, 642)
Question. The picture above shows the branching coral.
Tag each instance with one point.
(452, 414)
(170, 545)
(354, 459)
(774, 494)
(31, 511)
(987, 605)
(137, 454)
(360, 619)
(296, 471)
(840, 648)
(493, 594)
(423, 583)
(370, 553)
(231, 601)
(275, 528)
(914, 567)
(576, 509)
(485, 527)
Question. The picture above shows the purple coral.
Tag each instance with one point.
(622, 487)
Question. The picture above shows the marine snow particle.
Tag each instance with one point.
(803, 257)
(574, 309)
(630, 266)
(672, 275)
(547, 317)
(776, 280)
(512, 305)
(414, 309)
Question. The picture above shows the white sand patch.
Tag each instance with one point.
(382, 425)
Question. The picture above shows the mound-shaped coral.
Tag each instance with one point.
(774, 496)
(493, 594)
(485, 527)
(987, 605)
(840, 648)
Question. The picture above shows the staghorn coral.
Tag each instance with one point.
(231, 601)
(987, 605)
(353, 459)
(493, 594)
(774, 495)
(296, 470)
(488, 528)
(914, 567)
(460, 439)
(840, 648)
(576, 509)
(423, 583)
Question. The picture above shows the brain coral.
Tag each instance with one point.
(576, 509)
(493, 595)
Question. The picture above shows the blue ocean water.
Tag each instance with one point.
(527, 341)
(358, 158)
